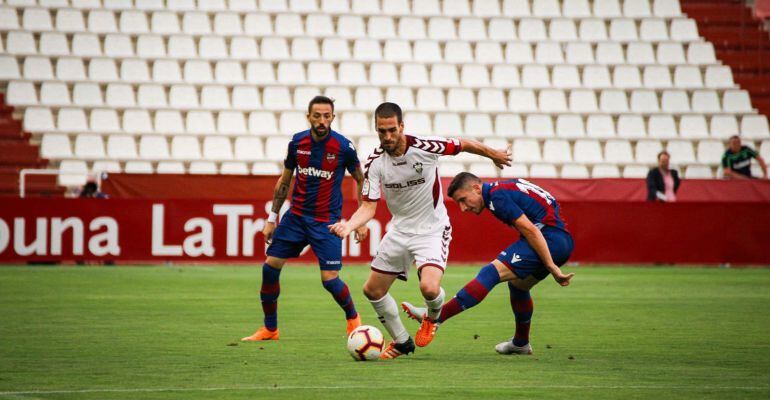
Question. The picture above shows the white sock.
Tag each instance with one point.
(434, 306)
(387, 311)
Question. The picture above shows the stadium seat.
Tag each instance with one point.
(227, 24)
(183, 97)
(718, 76)
(504, 76)
(640, 53)
(653, 30)
(734, 101)
(644, 101)
(228, 72)
(526, 150)
(343, 100)
(427, 51)
(516, 170)
(596, 77)
(501, 28)
(54, 44)
(217, 148)
(687, 77)
(483, 169)
(592, 29)
(248, 148)
(86, 95)
(623, 30)
(556, 151)
(458, 52)
(522, 100)
(626, 77)
(488, 53)
(418, 122)
(705, 101)
(71, 120)
(647, 151)
(684, 30)
(9, 68)
(444, 75)
(613, 101)
(471, 29)
(185, 148)
(552, 100)
(478, 125)
(698, 172)
(170, 167)
(583, 101)
(120, 95)
(605, 171)
(257, 25)
(565, 76)
(104, 121)
(276, 98)
(70, 69)
(109, 166)
(55, 146)
(670, 53)
(73, 173)
(666, 8)
(574, 171)
(600, 126)
(701, 53)
(397, 51)
(519, 53)
(401, 96)
(263, 123)
(631, 126)
(322, 73)
(21, 93)
(710, 151)
(38, 68)
(138, 167)
(85, 44)
(723, 126)
(548, 53)
(212, 47)
(431, 99)
(203, 167)
(260, 72)
(611, 53)
(461, 100)
(693, 126)
(562, 30)
(38, 119)
(508, 125)
(164, 71)
(383, 74)
(491, 100)
(532, 30)
(134, 71)
(588, 151)
(569, 126)
(292, 122)
(231, 123)
(579, 53)
(291, 73)
(137, 122)
(635, 171)
(536, 125)
(657, 77)
(182, 47)
(675, 101)
(543, 171)
(618, 151)
(681, 152)
(754, 127)
(535, 76)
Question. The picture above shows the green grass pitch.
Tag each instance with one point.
(173, 332)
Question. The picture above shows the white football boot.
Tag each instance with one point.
(415, 313)
(508, 347)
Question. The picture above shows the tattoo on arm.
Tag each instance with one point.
(281, 191)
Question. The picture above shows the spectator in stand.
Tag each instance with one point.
(662, 182)
(736, 161)
(91, 190)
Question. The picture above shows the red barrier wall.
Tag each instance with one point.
(131, 230)
(229, 187)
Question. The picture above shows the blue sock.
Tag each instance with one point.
(472, 293)
(271, 289)
(523, 307)
(339, 290)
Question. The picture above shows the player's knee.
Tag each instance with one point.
(430, 290)
(275, 262)
(374, 293)
(329, 275)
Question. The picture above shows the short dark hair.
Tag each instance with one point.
(460, 181)
(320, 100)
(734, 137)
(387, 110)
(662, 153)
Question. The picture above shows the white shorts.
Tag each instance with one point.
(398, 251)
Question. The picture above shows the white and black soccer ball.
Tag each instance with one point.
(365, 343)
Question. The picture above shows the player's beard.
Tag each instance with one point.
(321, 134)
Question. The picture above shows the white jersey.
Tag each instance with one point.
(411, 184)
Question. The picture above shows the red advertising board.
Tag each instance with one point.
(218, 231)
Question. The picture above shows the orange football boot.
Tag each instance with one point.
(354, 323)
(426, 332)
(262, 334)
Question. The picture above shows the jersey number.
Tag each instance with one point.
(527, 187)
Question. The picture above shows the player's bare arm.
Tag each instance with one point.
(762, 165)
(279, 196)
(501, 158)
(362, 231)
(535, 238)
(364, 213)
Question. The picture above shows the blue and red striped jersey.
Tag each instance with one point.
(509, 199)
(319, 169)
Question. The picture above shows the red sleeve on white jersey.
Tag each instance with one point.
(435, 145)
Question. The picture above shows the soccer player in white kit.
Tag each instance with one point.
(405, 170)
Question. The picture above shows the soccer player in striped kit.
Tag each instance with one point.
(404, 170)
(318, 157)
(545, 246)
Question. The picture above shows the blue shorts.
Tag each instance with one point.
(295, 232)
(522, 259)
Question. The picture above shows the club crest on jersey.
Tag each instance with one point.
(330, 157)
(417, 167)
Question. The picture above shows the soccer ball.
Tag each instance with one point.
(365, 343)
